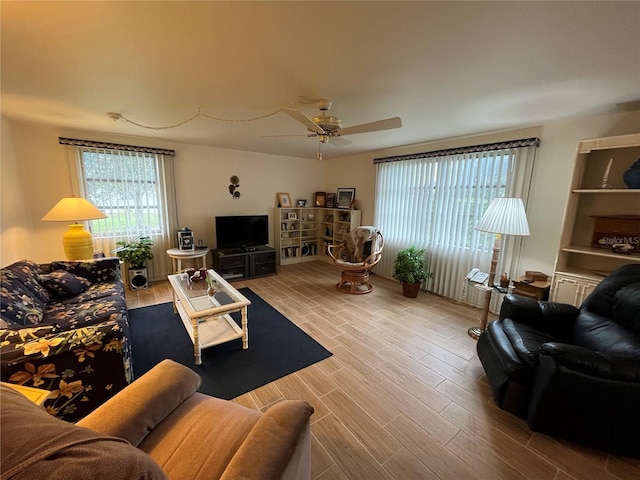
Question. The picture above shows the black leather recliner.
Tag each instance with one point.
(572, 373)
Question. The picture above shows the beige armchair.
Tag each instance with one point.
(157, 427)
(356, 256)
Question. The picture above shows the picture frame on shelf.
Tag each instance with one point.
(292, 216)
(345, 198)
(311, 217)
(319, 199)
(284, 200)
(302, 203)
(331, 200)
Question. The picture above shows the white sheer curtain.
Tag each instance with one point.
(136, 190)
(435, 200)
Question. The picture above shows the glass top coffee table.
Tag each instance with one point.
(207, 319)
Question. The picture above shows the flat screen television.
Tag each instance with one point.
(242, 231)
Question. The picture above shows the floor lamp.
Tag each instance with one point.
(77, 242)
(504, 216)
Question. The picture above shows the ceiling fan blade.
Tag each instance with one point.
(303, 119)
(291, 135)
(386, 124)
(339, 141)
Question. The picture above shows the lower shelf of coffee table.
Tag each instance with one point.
(212, 330)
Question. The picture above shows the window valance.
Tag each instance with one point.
(115, 146)
(521, 143)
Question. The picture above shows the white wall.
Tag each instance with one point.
(551, 176)
(203, 177)
(15, 219)
(36, 174)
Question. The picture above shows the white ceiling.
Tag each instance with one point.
(447, 69)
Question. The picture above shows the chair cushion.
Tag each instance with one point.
(171, 443)
(626, 306)
(604, 334)
(61, 283)
(526, 340)
(358, 244)
(37, 445)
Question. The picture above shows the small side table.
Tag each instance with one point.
(178, 255)
(538, 290)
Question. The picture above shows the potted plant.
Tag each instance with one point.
(409, 268)
(135, 252)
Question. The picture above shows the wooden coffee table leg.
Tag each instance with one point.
(196, 341)
(245, 329)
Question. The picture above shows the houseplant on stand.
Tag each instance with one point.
(135, 253)
(409, 268)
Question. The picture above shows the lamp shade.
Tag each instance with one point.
(505, 216)
(73, 209)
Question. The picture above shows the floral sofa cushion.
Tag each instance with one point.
(61, 283)
(76, 346)
(94, 273)
(22, 299)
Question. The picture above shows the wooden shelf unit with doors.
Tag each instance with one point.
(301, 234)
(580, 266)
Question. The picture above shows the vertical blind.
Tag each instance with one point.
(434, 201)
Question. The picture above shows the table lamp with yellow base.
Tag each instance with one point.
(77, 242)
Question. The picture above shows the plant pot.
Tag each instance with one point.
(410, 290)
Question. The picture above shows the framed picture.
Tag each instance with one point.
(302, 203)
(292, 216)
(319, 199)
(284, 200)
(331, 200)
(345, 197)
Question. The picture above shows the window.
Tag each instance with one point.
(134, 187)
(126, 187)
(434, 201)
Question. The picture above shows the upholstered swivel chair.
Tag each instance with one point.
(356, 256)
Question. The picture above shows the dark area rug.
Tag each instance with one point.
(277, 348)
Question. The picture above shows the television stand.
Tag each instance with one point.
(234, 264)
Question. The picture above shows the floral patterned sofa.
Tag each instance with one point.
(64, 328)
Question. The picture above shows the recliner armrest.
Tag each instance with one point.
(133, 412)
(592, 363)
(276, 436)
(550, 317)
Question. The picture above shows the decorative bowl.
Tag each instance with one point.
(625, 248)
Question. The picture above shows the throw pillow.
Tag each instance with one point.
(63, 284)
(19, 305)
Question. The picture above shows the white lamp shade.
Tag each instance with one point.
(505, 216)
(73, 209)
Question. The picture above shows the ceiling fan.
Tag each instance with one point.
(329, 128)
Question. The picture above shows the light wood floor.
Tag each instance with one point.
(404, 395)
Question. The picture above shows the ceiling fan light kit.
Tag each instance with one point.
(329, 128)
